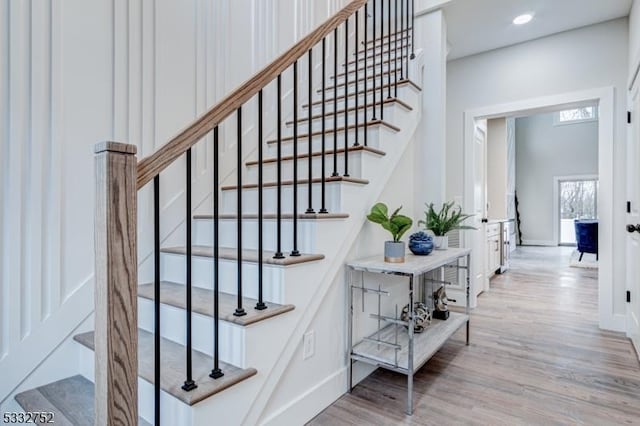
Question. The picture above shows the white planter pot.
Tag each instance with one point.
(441, 243)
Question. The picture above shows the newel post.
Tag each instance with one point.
(116, 318)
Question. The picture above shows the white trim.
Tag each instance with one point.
(605, 97)
(556, 197)
(557, 122)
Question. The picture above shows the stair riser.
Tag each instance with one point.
(270, 169)
(402, 93)
(404, 39)
(373, 140)
(389, 112)
(232, 348)
(333, 199)
(351, 88)
(307, 229)
(274, 277)
(386, 67)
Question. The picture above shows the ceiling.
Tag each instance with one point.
(476, 26)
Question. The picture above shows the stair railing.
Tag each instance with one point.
(119, 178)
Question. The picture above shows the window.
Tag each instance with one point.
(578, 200)
(576, 115)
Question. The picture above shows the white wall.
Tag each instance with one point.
(586, 58)
(634, 38)
(544, 151)
(74, 73)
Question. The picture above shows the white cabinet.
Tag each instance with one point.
(494, 242)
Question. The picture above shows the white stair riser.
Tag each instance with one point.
(351, 88)
(173, 326)
(373, 140)
(270, 170)
(389, 112)
(333, 199)
(402, 93)
(386, 67)
(274, 277)
(172, 410)
(307, 230)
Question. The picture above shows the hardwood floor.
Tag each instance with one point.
(536, 357)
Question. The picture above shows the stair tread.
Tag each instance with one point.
(272, 216)
(392, 100)
(360, 80)
(174, 295)
(71, 400)
(247, 255)
(369, 90)
(318, 154)
(352, 62)
(328, 179)
(388, 36)
(340, 129)
(173, 368)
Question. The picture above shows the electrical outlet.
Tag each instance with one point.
(308, 345)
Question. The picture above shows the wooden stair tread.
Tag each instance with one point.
(247, 255)
(370, 58)
(370, 123)
(391, 100)
(71, 400)
(370, 90)
(360, 80)
(401, 46)
(318, 154)
(328, 179)
(173, 368)
(273, 216)
(388, 36)
(173, 294)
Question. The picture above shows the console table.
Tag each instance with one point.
(395, 346)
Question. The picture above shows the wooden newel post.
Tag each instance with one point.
(116, 318)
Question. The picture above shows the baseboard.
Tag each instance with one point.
(614, 322)
(312, 402)
(539, 243)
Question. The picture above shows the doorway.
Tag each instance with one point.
(604, 100)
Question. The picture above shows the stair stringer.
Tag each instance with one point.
(250, 398)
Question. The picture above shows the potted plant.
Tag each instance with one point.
(397, 225)
(449, 218)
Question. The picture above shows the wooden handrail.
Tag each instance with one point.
(151, 166)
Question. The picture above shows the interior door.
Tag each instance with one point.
(633, 221)
(479, 248)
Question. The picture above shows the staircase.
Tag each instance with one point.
(228, 308)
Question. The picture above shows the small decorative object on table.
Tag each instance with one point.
(449, 218)
(440, 302)
(421, 316)
(420, 243)
(397, 225)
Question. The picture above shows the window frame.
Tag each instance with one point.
(558, 122)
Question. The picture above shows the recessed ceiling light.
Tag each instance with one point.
(523, 19)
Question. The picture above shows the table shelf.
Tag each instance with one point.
(426, 344)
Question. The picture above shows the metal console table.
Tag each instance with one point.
(395, 346)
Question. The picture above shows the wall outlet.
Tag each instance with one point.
(308, 345)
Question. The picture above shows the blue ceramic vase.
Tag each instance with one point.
(420, 243)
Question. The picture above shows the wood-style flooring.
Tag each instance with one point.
(537, 357)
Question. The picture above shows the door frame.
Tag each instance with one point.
(605, 98)
(556, 199)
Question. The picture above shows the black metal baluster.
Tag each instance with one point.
(346, 97)
(407, 30)
(295, 251)
(310, 135)
(216, 373)
(389, 49)
(260, 305)
(189, 384)
(335, 101)
(402, 31)
(278, 254)
(381, 59)
(156, 296)
(239, 310)
(373, 57)
(366, 66)
(357, 103)
(395, 50)
(413, 29)
(323, 207)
